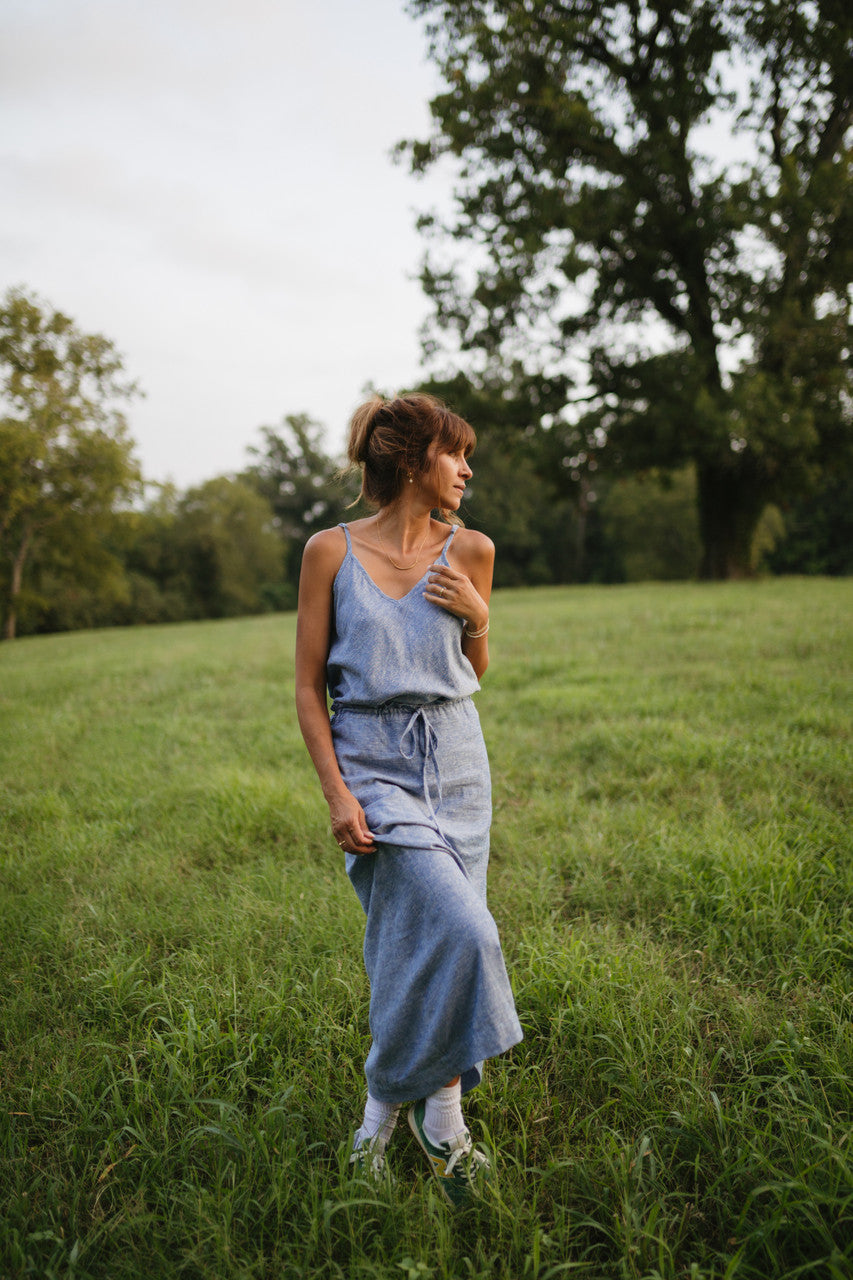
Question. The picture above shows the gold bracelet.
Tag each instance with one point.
(475, 635)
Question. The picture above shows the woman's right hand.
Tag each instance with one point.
(349, 825)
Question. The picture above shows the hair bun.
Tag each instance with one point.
(361, 428)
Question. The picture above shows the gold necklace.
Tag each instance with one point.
(402, 567)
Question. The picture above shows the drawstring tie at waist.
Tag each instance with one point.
(419, 738)
(423, 737)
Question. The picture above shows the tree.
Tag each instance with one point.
(75, 578)
(702, 304)
(65, 455)
(305, 487)
(155, 564)
(229, 550)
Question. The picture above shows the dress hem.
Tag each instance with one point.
(439, 1075)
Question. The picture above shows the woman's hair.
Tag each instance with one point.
(389, 440)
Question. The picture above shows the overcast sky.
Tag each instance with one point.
(208, 184)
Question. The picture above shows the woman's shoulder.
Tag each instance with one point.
(334, 537)
(473, 546)
(324, 551)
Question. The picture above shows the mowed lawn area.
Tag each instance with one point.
(184, 1007)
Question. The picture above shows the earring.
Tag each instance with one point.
(410, 477)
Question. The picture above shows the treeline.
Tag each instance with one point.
(233, 545)
(227, 547)
(86, 542)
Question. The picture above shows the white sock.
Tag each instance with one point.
(443, 1119)
(378, 1123)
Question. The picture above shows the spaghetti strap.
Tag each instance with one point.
(345, 528)
(446, 544)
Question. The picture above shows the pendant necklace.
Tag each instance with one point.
(402, 567)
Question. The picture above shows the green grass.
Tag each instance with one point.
(184, 1009)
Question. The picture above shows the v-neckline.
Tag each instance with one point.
(374, 584)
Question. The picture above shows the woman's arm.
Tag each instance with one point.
(320, 563)
(467, 589)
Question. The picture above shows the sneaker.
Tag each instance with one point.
(459, 1168)
(368, 1161)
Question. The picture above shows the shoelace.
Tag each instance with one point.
(461, 1153)
(368, 1161)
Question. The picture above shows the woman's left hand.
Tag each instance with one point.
(456, 593)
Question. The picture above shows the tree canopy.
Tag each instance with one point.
(655, 204)
(227, 546)
(66, 458)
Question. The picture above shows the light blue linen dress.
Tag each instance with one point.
(408, 742)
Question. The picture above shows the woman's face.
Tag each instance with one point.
(448, 477)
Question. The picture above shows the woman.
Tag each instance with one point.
(393, 620)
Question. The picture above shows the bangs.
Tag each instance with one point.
(455, 435)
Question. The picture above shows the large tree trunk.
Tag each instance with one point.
(731, 500)
(11, 624)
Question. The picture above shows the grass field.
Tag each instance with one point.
(184, 1010)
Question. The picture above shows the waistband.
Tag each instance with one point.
(399, 705)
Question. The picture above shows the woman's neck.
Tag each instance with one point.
(405, 523)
